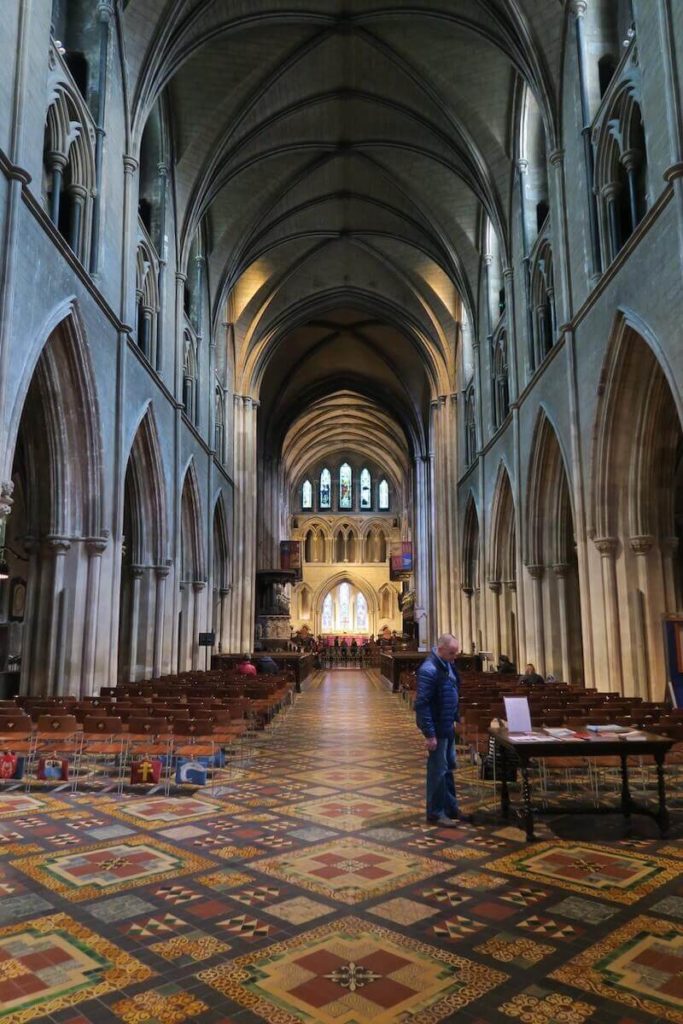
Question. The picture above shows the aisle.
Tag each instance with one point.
(313, 892)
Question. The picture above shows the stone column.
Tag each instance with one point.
(163, 262)
(222, 608)
(607, 546)
(130, 166)
(56, 162)
(562, 571)
(495, 587)
(537, 573)
(95, 546)
(468, 624)
(641, 547)
(161, 573)
(421, 554)
(522, 168)
(197, 588)
(610, 195)
(578, 9)
(136, 574)
(54, 674)
(78, 196)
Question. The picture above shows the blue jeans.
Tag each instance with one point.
(441, 799)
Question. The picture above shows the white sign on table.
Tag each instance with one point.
(518, 714)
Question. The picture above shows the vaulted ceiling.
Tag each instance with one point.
(341, 157)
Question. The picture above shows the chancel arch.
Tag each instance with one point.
(637, 501)
(551, 560)
(345, 603)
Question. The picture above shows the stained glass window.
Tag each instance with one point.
(383, 494)
(307, 495)
(344, 608)
(326, 623)
(325, 489)
(361, 614)
(365, 489)
(345, 489)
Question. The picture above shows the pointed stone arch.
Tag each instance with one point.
(220, 570)
(145, 477)
(143, 563)
(470, 576)
(502, 571)
(193, 567)
(55, 442)
(551, 559)
(356, 581)
(636, 505)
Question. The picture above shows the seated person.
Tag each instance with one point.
(245, 667)
(267, 667)
(505, 665)
(531, 677)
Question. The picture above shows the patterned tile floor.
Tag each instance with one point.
(312, 890)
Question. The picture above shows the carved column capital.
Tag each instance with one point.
(607, 546)
(198, 585)
(137, 571)
(642, 544)
(467, 591)
(522, 165)
(536, 571)
(95, 546)
(556, 157)
(58, 545)
(495, 586)
(511, 585)
(577, 7)
(561, 570)
(130, 164)
(162, 571)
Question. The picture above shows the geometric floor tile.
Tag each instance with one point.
(351, 970)
(299, 910)
(189, 948)
(155, 812)
(672, 906)
(349, 870)
(86, 873)
(247, 927)
(550, 928)
(639, 964)
(54, 962)
(221, 881)
(13, 804)
(27, 905)
(510, 949)
(403, 911)
(153, 927)
(167, 1004)
(586, 911)
(346, 812)
(591, 869)
(456, 928)
(537, 1006)
(119, 908)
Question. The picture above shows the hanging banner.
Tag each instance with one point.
(401, 560)
(290, 556)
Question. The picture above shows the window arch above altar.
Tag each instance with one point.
(307, 494)
(345, 486)
(365, 489)
(325, 489)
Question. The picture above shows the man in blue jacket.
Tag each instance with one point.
(436, 712)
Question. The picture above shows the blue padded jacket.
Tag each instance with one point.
(437, 697)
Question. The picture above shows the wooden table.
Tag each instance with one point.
(598, 745)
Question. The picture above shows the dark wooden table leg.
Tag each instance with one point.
(662, 813)
(626, 801)
(504, 791)
(528, 810)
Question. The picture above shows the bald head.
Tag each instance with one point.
(447, 647)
